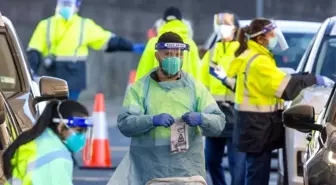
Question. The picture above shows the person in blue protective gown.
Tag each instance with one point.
(155, 105)
(42, 154)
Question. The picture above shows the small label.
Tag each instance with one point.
(181, 138)
(5, 79)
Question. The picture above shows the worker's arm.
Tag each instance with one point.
(100, 39)
(132, 121)
(272, 81)
(297, 83)
(147, 60)
(213, 119)
(37, 46)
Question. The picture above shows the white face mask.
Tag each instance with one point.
(226, 31)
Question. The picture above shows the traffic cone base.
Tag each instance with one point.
(101, 159)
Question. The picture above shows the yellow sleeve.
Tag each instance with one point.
(193, 67)
(147, 61)
(234, 67)
(205, 76)
(39, 39)
(267, 75)
(95, 36)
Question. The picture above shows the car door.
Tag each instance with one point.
(9, 128)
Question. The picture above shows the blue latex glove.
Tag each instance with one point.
(218, 73)
(324, 81)
(193, 119)
(164, 119)
(138, 48)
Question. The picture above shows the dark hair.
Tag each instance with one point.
(172, 11)
(68, 108)
(255, 26)
(170, 37)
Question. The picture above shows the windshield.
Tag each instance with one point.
(325, 62)
(8, 74)
(298, 43)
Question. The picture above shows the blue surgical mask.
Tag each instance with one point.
(272, 42)
(66, 12)
(75, 142)
(171, 65)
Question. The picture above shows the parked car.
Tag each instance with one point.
(319, 160)
(21, 98)
(319, 59)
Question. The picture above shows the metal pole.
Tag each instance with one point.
(260, 8)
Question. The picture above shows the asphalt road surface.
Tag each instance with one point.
(119, 145)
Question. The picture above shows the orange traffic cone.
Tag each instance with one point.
(131, 79)
(96, 153)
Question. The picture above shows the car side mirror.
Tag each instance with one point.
(52, 88)
(301, 118)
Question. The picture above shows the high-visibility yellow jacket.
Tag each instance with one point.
(261, 88)
(68, 41)
(222, 55)
(149, 62)
(45, 160)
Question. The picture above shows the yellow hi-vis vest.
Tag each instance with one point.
(45, 160)
(68, 40)
(222, 55)
(260, 83)
(148, 60)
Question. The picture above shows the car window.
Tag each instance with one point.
(325, 62)
(8, 74)
(298, 43)
(304, 59)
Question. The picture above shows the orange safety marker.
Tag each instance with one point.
(100, 153)
(151, 33)
(131, 79)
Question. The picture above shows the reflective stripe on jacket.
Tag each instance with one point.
(148, 60)
(45, 160)
(68, 38)
(259, 86)
(67, 42)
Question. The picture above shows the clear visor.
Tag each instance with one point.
(278, 33)
(83, 126)
(222, 19)
(173, 56)
(66, 4)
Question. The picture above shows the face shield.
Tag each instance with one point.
(66, 8)
(83, 125)
(172, 56)
(281, 41)
(223, 25)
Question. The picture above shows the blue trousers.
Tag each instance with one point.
(214, 152)
(74, 95)
(258, 166)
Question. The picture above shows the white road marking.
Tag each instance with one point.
(119, 148)
(93, 179)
